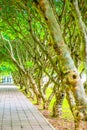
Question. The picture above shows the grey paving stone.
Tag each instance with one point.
(17, 113)
(6, 128)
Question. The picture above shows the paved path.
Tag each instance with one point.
(17, 113)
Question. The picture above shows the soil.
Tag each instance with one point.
(57, 122)
(60, 123)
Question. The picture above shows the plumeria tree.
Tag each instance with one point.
(48, 38)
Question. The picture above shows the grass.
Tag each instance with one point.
(67, 114)
(65, 107)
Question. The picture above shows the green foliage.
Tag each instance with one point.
(59, 6)
(15, 25)
(29, 64)
(6, 68)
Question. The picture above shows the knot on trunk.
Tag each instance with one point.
(78, 115)
(72, 78)
(42, 5)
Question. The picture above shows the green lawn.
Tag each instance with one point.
(65, 107)
(67, 114)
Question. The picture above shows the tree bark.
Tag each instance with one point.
(71, 76)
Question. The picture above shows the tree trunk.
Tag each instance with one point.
(71, 76)
(57, 107)
(35, 89)
(43, 98)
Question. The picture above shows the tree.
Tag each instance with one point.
(69, 70)
(48, 31)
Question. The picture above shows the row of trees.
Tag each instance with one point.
(47, 39)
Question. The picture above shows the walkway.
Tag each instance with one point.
(17, 113)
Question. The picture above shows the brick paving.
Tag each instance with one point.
(17, 113)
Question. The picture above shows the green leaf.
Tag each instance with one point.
(29, 64)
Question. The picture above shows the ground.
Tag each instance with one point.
(61, 123)
(65, 122)
(58, 123)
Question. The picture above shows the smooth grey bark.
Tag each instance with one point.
(71, 78)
